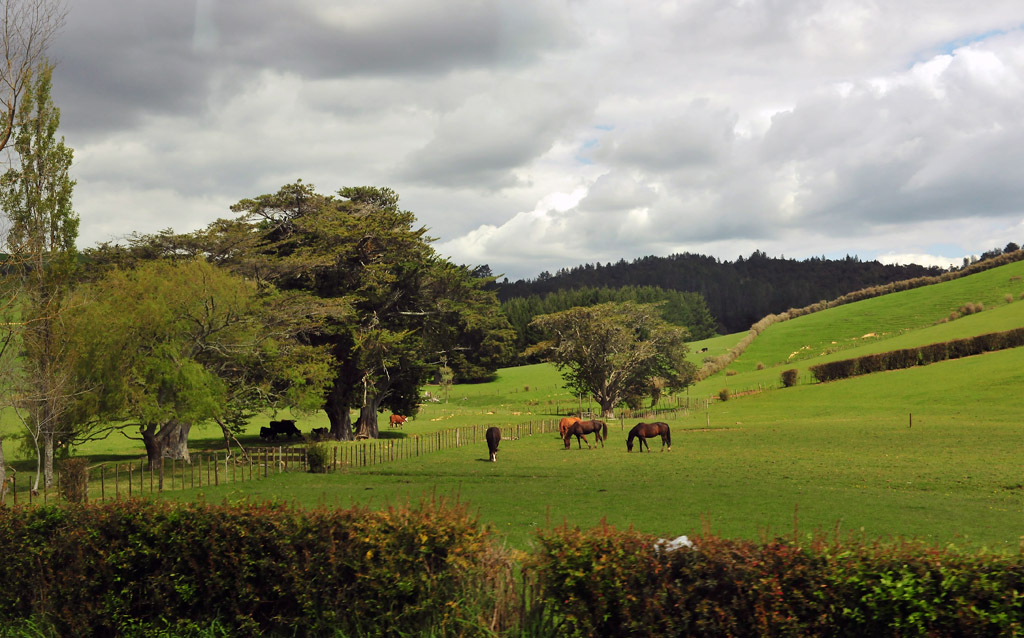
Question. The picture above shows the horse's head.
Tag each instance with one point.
(629, 443)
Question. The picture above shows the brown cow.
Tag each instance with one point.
(397, 420)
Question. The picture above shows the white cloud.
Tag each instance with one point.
(538, 135)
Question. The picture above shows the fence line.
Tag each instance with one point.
(135, 478)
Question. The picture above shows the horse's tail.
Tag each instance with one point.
(668, 436)
(604, 433)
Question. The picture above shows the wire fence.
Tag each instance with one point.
(137, 478)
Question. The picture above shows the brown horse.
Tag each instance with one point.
(493, 436)
(564, 424)
(644, 430)
(582, 428)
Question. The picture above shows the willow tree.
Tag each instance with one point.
(614, 351)
(36, 197)
(170, 345)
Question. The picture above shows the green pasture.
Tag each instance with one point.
(935, 452)
(841, 457)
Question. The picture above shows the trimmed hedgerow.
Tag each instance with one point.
(910, 357)
(606, 582)
(97, 570)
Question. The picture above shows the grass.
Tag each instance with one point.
(932, 452)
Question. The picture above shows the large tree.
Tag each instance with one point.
(35, 195)
(614, 351)
(172, 344)
(408, 302)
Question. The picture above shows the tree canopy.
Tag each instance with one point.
(171, 344)
(615, 351)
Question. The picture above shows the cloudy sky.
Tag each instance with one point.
(532, 135)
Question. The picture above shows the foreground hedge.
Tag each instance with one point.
(100, 570)
(135, 567)
(605, 582)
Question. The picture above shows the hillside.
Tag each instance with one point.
(898, 320)
(738, 293)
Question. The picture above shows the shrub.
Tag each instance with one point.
(723, 394)
(318, 457)
(259, 569)
(873, 363)
(790, 377)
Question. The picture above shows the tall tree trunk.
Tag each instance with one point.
(3, 474)
(168, 440)
(368, 419)
(48, 459)
(177, 441)
(337, 411)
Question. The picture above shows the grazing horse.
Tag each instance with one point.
(397, 420)
(564, 424)
(582, 428)
(644, 430)
(493, 436)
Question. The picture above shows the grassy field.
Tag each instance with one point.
(934, 452)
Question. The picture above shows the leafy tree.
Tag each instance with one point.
(169, 345)
(36, 196)
(615, 350)
(409, 304)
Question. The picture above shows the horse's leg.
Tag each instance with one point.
(587, 442)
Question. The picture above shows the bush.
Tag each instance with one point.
(99, 570)
(318, 457)
(790, 377)
(603, 584)
(724, 394)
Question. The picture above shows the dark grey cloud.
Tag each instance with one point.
(535, 134)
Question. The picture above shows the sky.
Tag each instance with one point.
(535, 135)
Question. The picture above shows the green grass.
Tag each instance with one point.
(839, 456)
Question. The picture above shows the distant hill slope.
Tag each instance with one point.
(738, 293)
(909, 318)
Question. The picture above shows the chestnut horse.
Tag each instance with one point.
(582, 428)
(644, 430)
(493, 436)
(564, 424)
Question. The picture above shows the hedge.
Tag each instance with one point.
(138, 566)
(95, 570)
(910, 357)
(607, 582)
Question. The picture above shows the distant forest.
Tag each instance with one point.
(738, 293)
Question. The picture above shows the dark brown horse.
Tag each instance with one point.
(644, 430)
(493, 436)
(583, 428)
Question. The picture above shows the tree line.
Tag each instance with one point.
(737, 293)
(685, 309)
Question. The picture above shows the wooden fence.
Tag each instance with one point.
(135, 478)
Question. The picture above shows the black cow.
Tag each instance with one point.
(267, 433)
(285, 427)
(319, 434)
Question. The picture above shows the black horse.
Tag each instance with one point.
(644, 430)
(493, 436)
(582, 428)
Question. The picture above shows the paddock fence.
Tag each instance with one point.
(136, 478)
